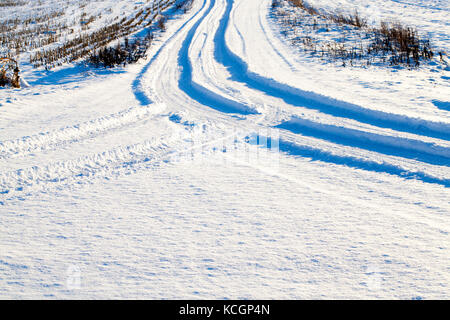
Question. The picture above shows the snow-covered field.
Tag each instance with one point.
(229, 165)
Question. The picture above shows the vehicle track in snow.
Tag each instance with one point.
(105, 165)
(55, 139)
(89, 166)
(224, 104)
(347, 200)
(290, 143)
(239, 72)
(417, 151)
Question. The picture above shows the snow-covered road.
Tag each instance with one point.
(144, 184)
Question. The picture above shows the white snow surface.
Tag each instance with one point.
(145, 181)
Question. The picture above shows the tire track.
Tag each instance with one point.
(115, 162)
(137, 86)
(239, 72)
(195, 90)
(389, 145)
(375, 144)
(49, 140)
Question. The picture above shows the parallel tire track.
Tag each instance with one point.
(52, 139)
(240, 72)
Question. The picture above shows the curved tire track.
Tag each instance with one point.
(196, 91)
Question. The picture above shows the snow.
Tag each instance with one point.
(229, 165)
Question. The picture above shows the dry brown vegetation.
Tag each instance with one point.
(185, 5)
(9, 73)
(131, 51)
(390, 41)
(32, 33)
(52, 40)
(84, 45)
(10, 3)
